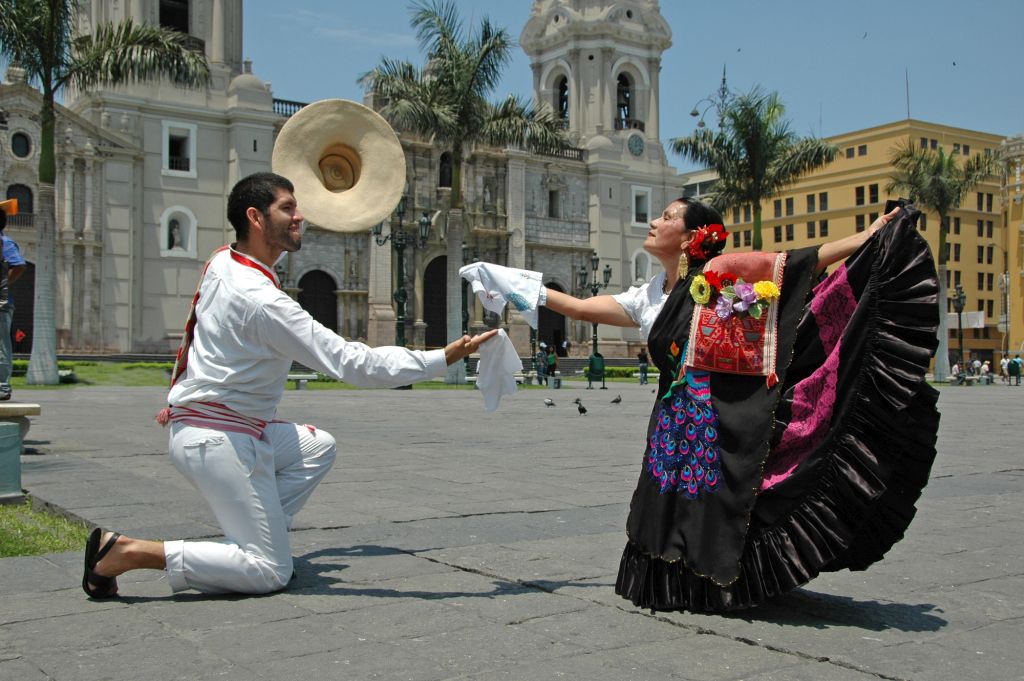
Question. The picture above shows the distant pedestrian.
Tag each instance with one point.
(552, 362)
(643, 361)
(1004, 374)
(986, 373)
(976, 366)
(541, 360)
(10, 269)
(1015, 367)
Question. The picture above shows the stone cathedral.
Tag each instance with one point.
(145, 169)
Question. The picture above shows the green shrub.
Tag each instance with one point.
(620, 372)
(166, 366)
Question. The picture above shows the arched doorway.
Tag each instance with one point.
(551, 325)
(317, 298)
(435, 302)
(23, 295)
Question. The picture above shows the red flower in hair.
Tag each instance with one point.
(704, 240)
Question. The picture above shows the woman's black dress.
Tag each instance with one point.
(748, 491)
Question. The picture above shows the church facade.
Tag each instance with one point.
(145, 170)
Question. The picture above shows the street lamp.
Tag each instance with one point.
(719, 100)
(400, 238)
(594, 285)
(959, 300)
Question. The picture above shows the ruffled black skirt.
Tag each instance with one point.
(840, 492)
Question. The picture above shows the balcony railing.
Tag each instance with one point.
(21, 220)
(571, 153)
(197, 45)
(629, 124)
(287, 108)
(178, 163)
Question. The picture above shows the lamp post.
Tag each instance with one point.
(719, 100)
(400, 238)
(959, 300)
(594, 285)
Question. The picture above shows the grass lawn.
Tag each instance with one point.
(25, 532)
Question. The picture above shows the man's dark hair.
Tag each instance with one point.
(255, 191)
(3, 220)
(699, 214)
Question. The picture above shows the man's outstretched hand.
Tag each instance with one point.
(458, 349)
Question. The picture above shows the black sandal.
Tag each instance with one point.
(95, 585)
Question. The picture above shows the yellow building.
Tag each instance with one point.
(1011, 154)
(847, 195)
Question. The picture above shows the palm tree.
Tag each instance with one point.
(447, 99)
(937, 183)
(754, 153)
(38, 35)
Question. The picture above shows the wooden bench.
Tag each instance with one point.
(520, 379)
(301, 379)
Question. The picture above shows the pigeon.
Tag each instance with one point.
(618, 398)
(653, 389)
(576, 401)
(579, 407)
(548, 402)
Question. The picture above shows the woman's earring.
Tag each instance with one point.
(684, 265)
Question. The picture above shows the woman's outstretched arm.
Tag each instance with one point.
(600, 309)
(834, 251)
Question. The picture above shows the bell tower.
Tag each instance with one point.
(214, 25)
(597, 63)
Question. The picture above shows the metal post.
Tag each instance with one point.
(958, 304)
(400, 295)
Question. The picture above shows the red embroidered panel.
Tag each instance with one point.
(733, 346)
(739, 344)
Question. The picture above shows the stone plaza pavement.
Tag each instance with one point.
(448, 543)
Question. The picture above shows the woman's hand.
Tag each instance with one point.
(461, 348)
(883, 221)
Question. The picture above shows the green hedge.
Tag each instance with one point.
(619, 372)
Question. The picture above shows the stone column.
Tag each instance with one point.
(654, 75)
(66, 249)
(609, 89)
(518, 329)
(339, 307)
(380, 323)
(90, 308)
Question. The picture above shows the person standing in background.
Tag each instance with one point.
(12, 267)
(644, 361)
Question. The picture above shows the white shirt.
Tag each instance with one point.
(248, 331)
(643, 303)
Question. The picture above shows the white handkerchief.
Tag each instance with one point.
(496, 285)
(497, 368)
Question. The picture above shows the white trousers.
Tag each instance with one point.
(255, 488)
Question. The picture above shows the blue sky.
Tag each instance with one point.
(838, 65)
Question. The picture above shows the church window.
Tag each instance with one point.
(179, 149)
(563, 99)
(174, 15)
(624, 102)
(444, 170)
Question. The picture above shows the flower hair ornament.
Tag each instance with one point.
(705, 240)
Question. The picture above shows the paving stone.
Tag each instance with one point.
(495, 557)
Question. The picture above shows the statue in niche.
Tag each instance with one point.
(175, 241)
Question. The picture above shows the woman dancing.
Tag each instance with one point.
(793, 428)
